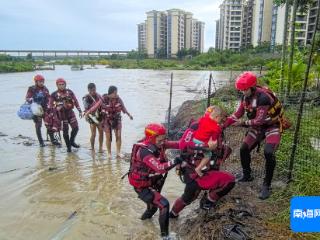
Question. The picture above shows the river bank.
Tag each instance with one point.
(258, 219)
(211, 61)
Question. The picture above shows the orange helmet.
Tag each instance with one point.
(60, 80)
(152, 130)
(38, 77)
(246, 80)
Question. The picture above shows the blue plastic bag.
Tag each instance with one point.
(25, 112)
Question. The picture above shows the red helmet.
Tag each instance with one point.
(38, 77)
(60, 80)
(153, 130)
(246, 80)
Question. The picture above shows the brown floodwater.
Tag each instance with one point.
(46, 193)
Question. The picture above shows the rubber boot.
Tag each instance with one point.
(67, 141)
(74, 133)
(245, 177)
(53, 140)
(265, 192)
(39, 136)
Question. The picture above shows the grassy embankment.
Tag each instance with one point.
(212, 60)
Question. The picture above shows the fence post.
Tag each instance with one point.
(209, 90)
(302, 99)
(170, 102)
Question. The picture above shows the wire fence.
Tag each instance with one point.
(307, 155)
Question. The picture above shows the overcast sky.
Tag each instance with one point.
(89, 24)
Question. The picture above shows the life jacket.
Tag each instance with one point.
(139, 173)
(64, 99)
(88, 102)
(39, 95)
(275, 111)
(111, 108)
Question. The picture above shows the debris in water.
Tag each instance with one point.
(52, 168)
(3, 134)
(72, 215)
(9, 171)
(60, 234)
(27, 143)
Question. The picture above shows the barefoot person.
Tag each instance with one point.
(111, 108)
(94, 118)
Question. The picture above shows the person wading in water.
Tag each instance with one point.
(94, 119)
(111, 107)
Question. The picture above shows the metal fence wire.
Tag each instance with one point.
(307, 155)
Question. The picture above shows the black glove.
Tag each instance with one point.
(177, 160)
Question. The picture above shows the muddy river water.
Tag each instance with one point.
(49, 194)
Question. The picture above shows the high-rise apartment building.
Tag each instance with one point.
(197, 35)
(176, 31)
(169, 31)
(156, 33)
(217, 34)
(314, 8)
(262, 19)
(247, 23)
(142, 34)
(230, 25)
(304, 25)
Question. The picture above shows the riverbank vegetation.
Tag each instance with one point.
(12, 64)
(186, 60)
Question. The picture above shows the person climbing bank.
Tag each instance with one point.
(265, 113)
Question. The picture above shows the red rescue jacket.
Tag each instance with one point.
(147, 161)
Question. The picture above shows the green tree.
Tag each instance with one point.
(161, 53)
(29, 57)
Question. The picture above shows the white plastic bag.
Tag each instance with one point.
(36, 109)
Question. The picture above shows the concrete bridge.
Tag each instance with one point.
(62, 53)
